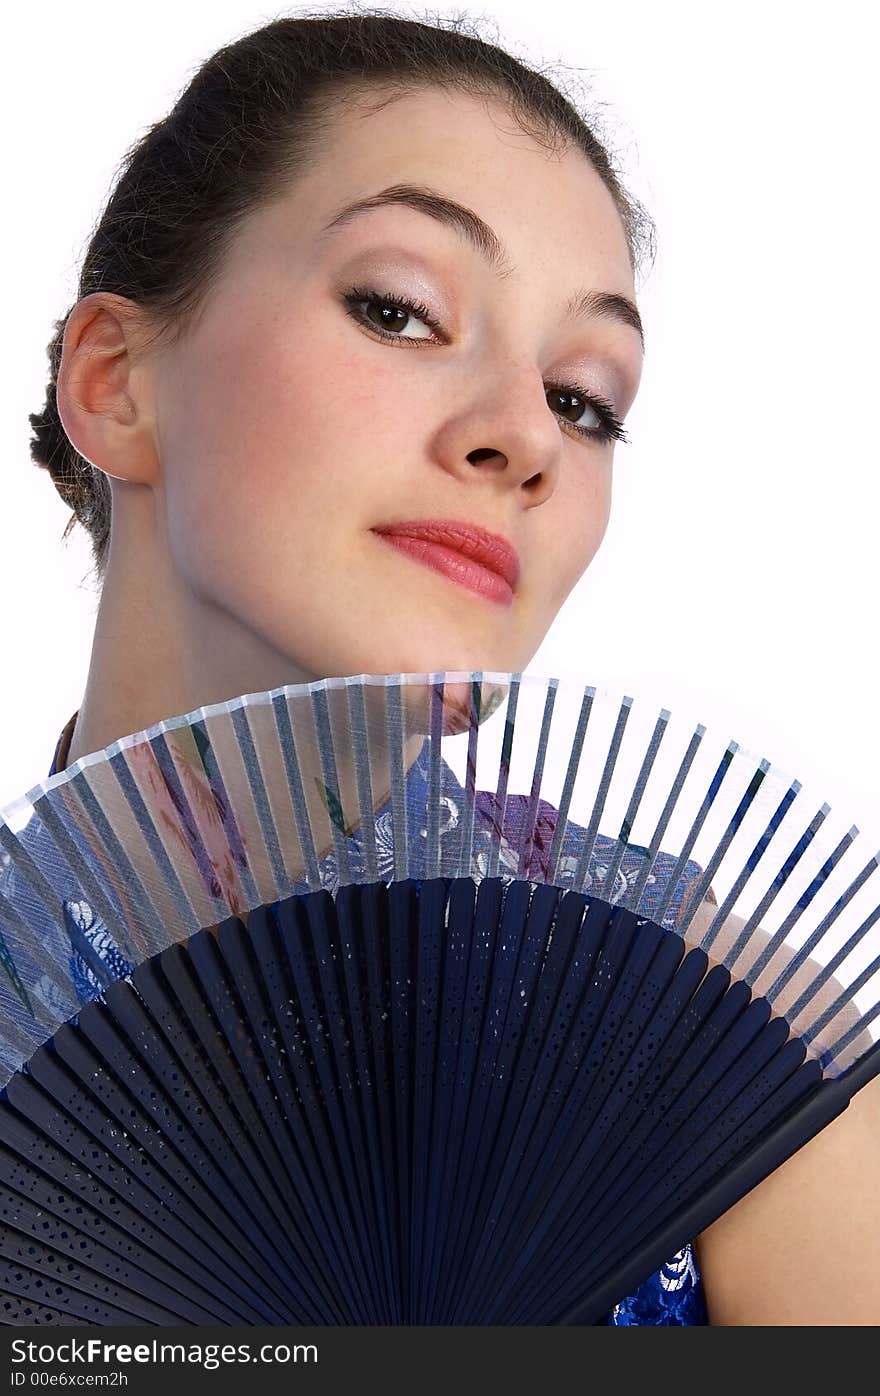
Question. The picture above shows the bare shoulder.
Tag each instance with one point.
(803, 1247)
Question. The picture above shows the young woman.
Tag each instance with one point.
(371, 271)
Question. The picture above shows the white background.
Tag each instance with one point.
(739, 574)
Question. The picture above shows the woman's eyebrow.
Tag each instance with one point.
(469, 225)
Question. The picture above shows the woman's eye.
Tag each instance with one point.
(392, 314)
(575, 402)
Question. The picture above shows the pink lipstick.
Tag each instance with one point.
(482, 562)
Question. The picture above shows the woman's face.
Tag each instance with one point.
(287, 432)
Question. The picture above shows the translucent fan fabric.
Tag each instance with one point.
(673, 1295)
(230, 807)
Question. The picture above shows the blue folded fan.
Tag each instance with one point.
(450, 998)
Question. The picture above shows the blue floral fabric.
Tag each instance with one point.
(674, 1294)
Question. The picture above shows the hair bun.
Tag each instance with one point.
(45, 445)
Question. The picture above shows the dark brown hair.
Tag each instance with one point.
(247, 125)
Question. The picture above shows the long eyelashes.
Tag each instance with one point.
(612, 428)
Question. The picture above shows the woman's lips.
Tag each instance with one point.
(454, 565)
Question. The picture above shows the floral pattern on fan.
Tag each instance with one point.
(197, 817)
(672, 1297)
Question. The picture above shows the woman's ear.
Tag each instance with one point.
(104, 390)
